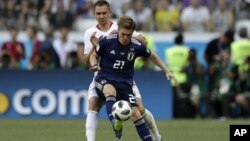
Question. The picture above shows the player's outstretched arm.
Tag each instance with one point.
(157, 61)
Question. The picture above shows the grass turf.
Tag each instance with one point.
(73, 130)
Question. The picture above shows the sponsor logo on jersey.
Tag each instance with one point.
(112, 52)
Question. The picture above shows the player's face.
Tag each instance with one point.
(125, 36)
(102, 14)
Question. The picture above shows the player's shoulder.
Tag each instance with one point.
(111, 36)
(92, 30)
(136, 42)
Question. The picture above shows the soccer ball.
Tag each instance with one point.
(121, 110)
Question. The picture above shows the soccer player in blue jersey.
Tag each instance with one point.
(114, 80)
(105, 26)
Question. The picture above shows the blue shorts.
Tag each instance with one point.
(123, 90)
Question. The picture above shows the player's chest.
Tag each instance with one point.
(123, 54)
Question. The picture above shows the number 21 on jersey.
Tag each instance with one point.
(118, 64)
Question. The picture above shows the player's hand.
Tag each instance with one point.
(170, 75)
(95, 68)
(95, 40)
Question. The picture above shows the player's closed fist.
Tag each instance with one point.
(95, 68)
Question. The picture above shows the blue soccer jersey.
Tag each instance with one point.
(117, 61)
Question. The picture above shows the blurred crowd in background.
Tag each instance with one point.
(150, 15)
(220, 89)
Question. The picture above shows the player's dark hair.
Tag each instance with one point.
(229, 34)
(243, 32)
(179, 39)
(102, 3)
(127, 23)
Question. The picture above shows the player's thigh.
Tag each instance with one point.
(104, 88)
(138, 99)
(94, 101)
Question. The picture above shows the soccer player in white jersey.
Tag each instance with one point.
(105, 26)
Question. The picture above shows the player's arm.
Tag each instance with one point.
(157, 61)
(98, 49)
(93, 62)
(86, 57)
(88, 46)
(92, 44)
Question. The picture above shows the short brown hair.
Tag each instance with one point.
(126, 22)
(102, 3)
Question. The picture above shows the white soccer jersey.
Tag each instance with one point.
(87, 43)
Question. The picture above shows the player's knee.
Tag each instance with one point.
(142, 111)
(94, 104)
(141, 107)
(136, 114)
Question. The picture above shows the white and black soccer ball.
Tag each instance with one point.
(122, 110)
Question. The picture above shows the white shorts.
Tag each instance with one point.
(92, 91)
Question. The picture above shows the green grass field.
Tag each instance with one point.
(73, 130)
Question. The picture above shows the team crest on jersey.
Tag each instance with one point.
(131, 56)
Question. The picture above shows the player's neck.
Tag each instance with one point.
(105, 27)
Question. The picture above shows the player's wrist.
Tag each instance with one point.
(94, 65)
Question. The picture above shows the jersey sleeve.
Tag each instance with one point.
(143, 51)
(87, 43)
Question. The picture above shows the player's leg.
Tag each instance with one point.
(148, 116)
(109, 92)
(94, 105)
(125, 92)
(140, 124)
